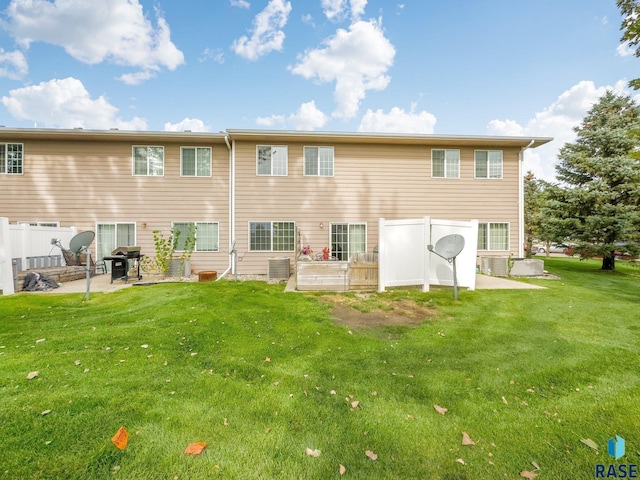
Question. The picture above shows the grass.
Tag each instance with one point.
(261, 375)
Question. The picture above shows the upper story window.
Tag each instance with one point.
(318, 161)
(11, 158)
(271, 160)
(488, 163)
(195, 161)
(148, 160)
(445, 163)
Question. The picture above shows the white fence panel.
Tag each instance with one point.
(441, 271)
(34, 241)
(402, 253)
(6, 268)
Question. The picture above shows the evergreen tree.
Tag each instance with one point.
(597, 203)
(630, 26)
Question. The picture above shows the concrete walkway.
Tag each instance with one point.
(102, 283)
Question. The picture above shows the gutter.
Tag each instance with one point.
(521, 200)
(232, 208)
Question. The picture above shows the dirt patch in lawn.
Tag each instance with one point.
(368, 311)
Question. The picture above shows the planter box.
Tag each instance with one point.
(329, 276)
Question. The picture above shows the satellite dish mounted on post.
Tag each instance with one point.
(80, 244)
(449, 247)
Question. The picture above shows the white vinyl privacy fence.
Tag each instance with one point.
(404, 259)
(30, 247)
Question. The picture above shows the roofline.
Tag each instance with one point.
(274, 135)
(396, 138)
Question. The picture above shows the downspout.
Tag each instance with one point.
(232, 207)
(521, 200)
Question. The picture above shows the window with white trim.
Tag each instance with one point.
(195, 161)
(488, 163)
(271, 160)
(445, 163)
(347, 239)
(11, 158)
(110, 236)
(493, 236)
(206, 235)
(272, 236)
(318, 161)
(148, 161)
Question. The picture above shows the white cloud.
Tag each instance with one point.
(13, 65)
(215, 55)
(356, 59)
(65, 103)
(337, 10)
(398, 121)
(308, 117)
(116, 31)
(190, 124)
(557, 120)
(267, 34)
(625, 50)
(240, 3)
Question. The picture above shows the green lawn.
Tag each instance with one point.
(261, 376)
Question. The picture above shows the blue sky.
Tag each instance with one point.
(480, 67)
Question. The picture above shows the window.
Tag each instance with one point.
(445, 163)
(11, 158)
(272, 236)
(493, 236)
(148, 161)
(488, 163)
(347, 239)
(113, 235)
(195, 161)
(318, 161)
(206, 235)
(271, 160)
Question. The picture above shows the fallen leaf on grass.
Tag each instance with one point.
(461, 461)
(225, 422)
(121, 438)
(32, 375)
(46, 412)
(40, 340)
(466, 439)
(528, 474)
(355, 404)
(535, 465)
(504, 400)
(343, 469)
(77, 362)
(195, 448)
(590, 443)
(440, 410)
(267, 360)
(313, 453)
(371, 455)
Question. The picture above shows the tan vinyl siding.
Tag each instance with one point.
(369, 182)
(81, 183)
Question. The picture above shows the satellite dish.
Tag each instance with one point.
(449, 246)
(83, 239)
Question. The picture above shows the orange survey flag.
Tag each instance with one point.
(121, 438)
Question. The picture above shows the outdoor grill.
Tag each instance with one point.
(120, 259)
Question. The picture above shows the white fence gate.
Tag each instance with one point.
(404, 259)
